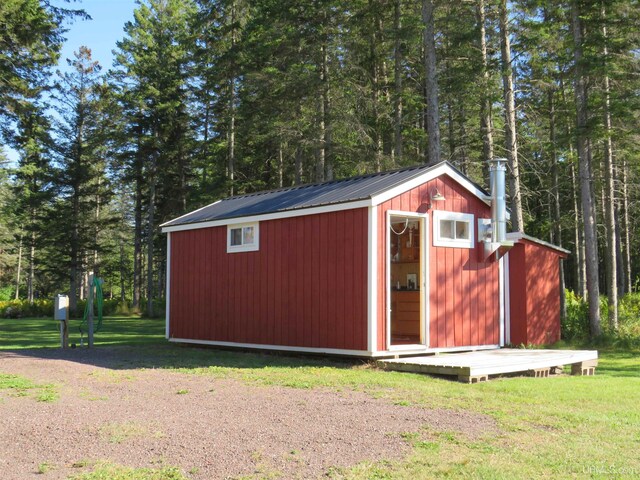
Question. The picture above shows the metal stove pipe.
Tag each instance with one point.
(497, 173)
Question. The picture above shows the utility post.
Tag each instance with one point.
(61, 313)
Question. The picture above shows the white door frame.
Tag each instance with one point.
(424, 278)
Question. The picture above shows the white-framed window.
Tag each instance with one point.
(453, 229)
(243, 237)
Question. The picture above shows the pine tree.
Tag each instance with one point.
(80, 179)
(153, 63)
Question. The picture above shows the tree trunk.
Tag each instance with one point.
(581, 280)
(609, 205)
(74, 270)
(464, 141)
(431, 84)
(96, 232)
(580, 276)
(557, 215)
(32, 269)
(584, 166)
(17, 296)
(299, 167)
(123, 264)
(323, 165)
(150, 233)
(510, 120)
(398, 87)
(375, 97)
(231, 160)
(485, 103)
(627, 226)
(280, 166)
(452, 134)
(137, 240)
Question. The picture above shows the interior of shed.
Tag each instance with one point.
(405, 280)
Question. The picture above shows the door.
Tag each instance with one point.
(406, 280)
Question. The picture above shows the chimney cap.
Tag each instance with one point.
(497, 163)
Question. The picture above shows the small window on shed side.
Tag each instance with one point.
(453, 229)
(243, 238)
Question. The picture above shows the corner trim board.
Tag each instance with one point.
(168, 287)
(372, 278)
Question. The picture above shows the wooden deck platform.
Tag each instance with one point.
(478, 366)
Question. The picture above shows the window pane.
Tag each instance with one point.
(446, 229)
(247, 236)
(236, 236)
(462, 230)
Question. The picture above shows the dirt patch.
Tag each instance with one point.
(211, 428)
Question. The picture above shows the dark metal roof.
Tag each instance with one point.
(304, 196)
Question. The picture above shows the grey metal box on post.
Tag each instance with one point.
(61, 313)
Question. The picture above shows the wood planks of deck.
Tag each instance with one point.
(472, 367)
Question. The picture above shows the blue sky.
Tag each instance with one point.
(99, 34)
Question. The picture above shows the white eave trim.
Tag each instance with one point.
(269, 216)
(190, 213)
(443, 169)
(515, 236)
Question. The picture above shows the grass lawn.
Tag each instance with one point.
(559, 427)
(45, 332)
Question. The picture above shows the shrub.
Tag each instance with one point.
(44, 308)
(6, 293)
(575, 325)
(22, 308)
(629, 317)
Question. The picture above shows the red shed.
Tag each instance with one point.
(534, 291)
(398, 262)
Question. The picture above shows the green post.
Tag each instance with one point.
(90, 310)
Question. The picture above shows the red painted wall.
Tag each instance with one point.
(464, 290)
(534, 294)
(305, 287)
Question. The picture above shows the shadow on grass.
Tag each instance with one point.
(165, 355)
(45, 332)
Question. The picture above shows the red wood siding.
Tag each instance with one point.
(534, 294)
(464, 290)
(306, 286)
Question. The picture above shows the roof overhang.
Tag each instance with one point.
(519, 236)
(432, 173)
(299, 212)
(439, 170)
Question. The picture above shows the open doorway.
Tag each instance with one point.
(406, 282)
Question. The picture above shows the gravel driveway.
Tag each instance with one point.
(209, 427)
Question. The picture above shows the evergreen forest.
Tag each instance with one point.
(211, 98)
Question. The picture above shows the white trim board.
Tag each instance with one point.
(507, 300)
(516, 236)
(501, 290)
(270, 216)
(167, 287)
(423, 218)
(244, 247)
(372, 281)
(189, 213)
(428, 176)
(333, 351)
(284, 348)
